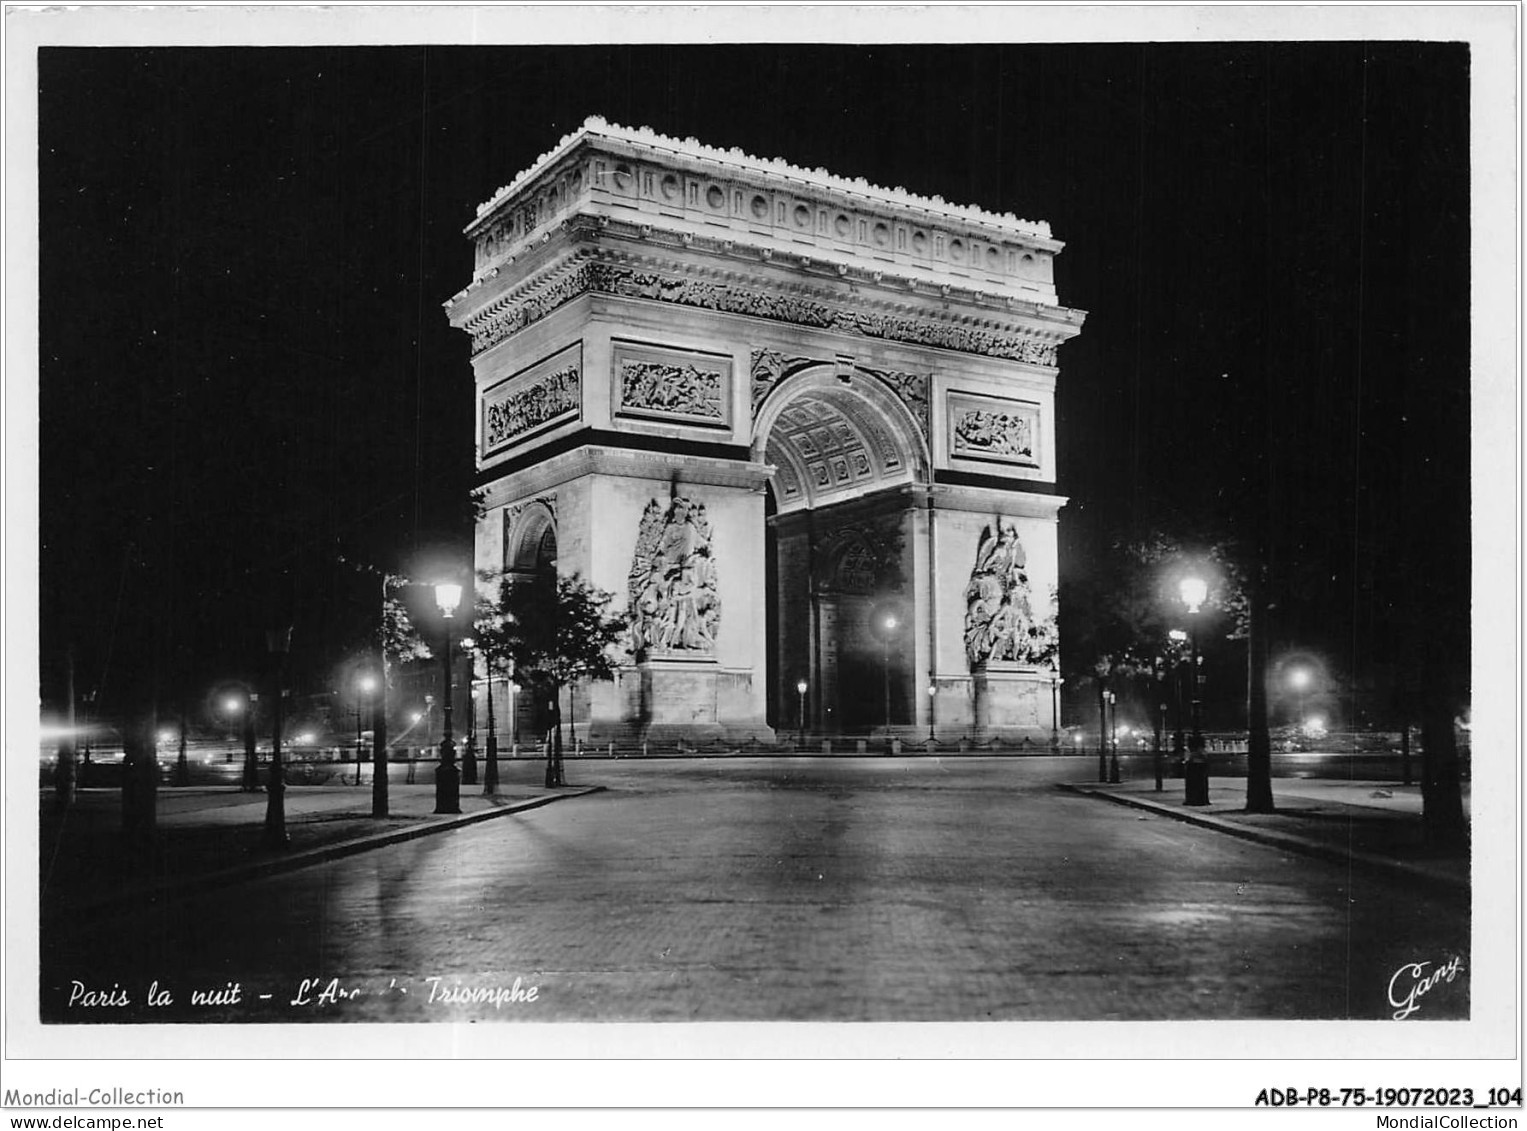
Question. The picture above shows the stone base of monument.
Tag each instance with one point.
(1007, 699)
(684, 699)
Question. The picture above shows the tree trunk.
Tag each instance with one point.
(1441, 777)
(554, 748)
(1259, 794)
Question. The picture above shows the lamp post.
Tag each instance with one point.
(1103, 732)
(251, 759)
(1079, 740)
(1160, 734)
(469, 753)
(363, 687)
(182, 767)
(447, 777)
(1113, 738)
(800, 691)
(1299, 679)
(469, 760)
(490, 758)
(932, 698)
(1055, 682)
(1194, 590)
(278, 642)
(889, 625)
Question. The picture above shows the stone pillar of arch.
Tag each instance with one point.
(800, 426)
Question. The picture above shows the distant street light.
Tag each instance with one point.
(490, 765)
(932, 697)
(1194, 591)
(800, 691)
(1299, 680)
(1160, 733)
(1113, 745)
(251, 783)
(469, 754)
(447, 777)
(1055, 682)
(1104, 730)
(888, 624)
(278, 642)
(364, 687)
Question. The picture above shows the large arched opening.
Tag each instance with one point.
(530, 554)
(850, 458)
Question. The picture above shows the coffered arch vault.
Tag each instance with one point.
(833, 436)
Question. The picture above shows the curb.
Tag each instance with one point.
(1290, 842)
(277, 865)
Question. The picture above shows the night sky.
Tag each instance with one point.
(246, 374)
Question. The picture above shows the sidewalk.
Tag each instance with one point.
(1367, 824)
(211, 836)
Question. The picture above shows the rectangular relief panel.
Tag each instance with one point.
(994, 429)
(671, 385)
(534, 400)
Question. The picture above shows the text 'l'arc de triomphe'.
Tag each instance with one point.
(802, 427)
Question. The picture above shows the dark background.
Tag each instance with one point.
(246, 374)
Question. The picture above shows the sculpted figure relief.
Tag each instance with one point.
(674, 606)
(530, 407)
(994, 432)
(684, 390)
(999, 617)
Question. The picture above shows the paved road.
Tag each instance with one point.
(801, 889)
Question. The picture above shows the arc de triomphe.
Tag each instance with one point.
(802, 427)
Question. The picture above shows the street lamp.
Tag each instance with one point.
(1055, 682)
(469, 761)
(469, 753)
(1299, 679)
(1113, 744)
(364, 687)
(251, 783)
(1104, 731)
(800, 691)
(447, 777)
(1179, 740)
(278, 642)
(1160, 732)
(231, 709)
(1194, 590)
(932, 697)
(888, 623)
(490, 762)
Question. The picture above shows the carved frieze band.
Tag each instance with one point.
(799, 310)
(546, 393)
(993, 428)
(670, 384)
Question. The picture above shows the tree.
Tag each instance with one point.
(557, 632)
(1120, 614)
